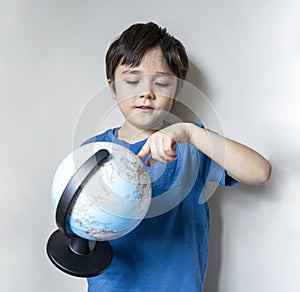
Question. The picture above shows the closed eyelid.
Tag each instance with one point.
(163, 84)
(132, 81)
(134, 77)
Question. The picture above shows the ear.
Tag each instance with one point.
(112, 88)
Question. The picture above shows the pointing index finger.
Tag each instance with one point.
(144, 151)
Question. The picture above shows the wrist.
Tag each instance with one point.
(190, 132)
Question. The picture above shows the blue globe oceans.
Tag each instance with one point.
(115, 197)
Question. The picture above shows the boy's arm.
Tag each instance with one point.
(240, 162)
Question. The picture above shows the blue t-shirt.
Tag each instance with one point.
(168, 251)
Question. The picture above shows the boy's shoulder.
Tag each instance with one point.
(103, 137)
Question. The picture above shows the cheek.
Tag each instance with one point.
(124, 103)
(121, 92)
(167, 103)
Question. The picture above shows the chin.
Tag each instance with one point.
(146, 122)
(154, 125)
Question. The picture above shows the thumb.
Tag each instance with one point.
(144, 151)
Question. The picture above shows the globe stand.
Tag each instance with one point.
(75, 257)
(72, 254)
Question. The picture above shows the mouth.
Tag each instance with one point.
(145, 108)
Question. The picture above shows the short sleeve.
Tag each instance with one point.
(219, 175)
(214, 172)
(214, 176)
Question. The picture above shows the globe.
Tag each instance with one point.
(113, 200)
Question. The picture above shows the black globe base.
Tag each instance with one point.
(78, 257)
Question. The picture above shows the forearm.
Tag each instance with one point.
(240, 162)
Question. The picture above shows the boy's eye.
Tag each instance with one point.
(132, 82)
(162, 84)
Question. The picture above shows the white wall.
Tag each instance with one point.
(245, 57)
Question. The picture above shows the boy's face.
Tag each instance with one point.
(145, 93)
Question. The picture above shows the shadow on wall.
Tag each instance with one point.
(190, 98)
(236, 194)
(197, 78)
(186, 113)
(215, 242)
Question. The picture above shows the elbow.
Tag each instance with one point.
(264, 174)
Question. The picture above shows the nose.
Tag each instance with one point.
(147, 91)
(147, 95)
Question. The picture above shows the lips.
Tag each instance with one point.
(144, 107)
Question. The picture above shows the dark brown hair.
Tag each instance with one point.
(130, 47)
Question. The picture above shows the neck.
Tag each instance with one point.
(131, 134)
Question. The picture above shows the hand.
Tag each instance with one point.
(162, 144)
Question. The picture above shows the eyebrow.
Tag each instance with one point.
(136, 72)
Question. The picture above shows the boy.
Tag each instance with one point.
(168, 251)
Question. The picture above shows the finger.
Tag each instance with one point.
(161, 157)
(150, 161)
(159, 147)
(171, 152)
(154, 146)
(144, 151)
(169, 147)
